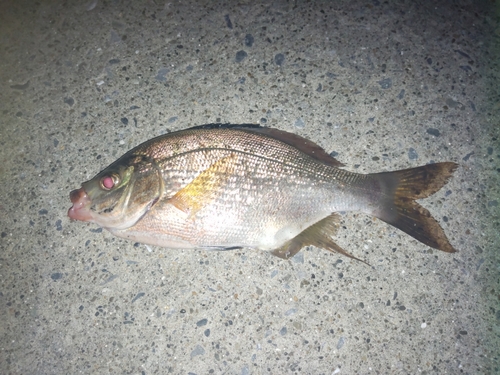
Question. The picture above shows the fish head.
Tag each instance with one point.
(120, 195)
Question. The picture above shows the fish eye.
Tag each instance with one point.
(109, 182)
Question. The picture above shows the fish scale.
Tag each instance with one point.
(236, 186)
(271, 186)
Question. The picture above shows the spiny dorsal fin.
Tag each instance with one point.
(305, 145)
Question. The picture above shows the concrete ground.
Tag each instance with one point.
(384, 84)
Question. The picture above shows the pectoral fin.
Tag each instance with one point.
(205, 188)
(319, 235)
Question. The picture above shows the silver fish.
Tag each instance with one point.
(243, 186)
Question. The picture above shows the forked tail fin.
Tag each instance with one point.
(398, 207)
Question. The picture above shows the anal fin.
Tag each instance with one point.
(319, 235)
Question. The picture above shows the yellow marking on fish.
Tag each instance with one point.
(205, 188)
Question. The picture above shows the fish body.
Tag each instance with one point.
(226, 187)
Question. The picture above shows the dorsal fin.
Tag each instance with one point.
(225, 126)
(306, 146)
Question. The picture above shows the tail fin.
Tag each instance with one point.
(398, 206)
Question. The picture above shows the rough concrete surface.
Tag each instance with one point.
(384, 85)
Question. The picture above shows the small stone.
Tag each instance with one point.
(160, 76)
(412, 154)
(56, 276)
(249, 40)
(341, 343)
(240, 56)
(229, 24)
(463, 54)
(91, 5)
(299, 123)
(453, 103)
(202, 322)
(298, 258)
(69, 101)
(139, 295)
(114, 37)
(291, 311)
(467, 157)
(433, 132)
(20, 87)
(279, 59)
(385, 83)
(198, 350)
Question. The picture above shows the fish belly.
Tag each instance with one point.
(262, 218)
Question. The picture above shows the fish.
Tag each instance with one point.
(226, 187)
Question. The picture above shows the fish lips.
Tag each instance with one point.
(79, 210)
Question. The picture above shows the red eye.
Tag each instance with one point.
(107, 182)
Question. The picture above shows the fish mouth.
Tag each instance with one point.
(81, 201)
